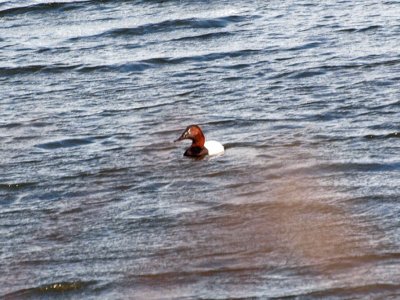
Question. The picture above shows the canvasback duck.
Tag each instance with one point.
(200, 147)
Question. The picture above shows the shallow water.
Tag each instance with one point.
(96, 201)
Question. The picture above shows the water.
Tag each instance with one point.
(97, 202)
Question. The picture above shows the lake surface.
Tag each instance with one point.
(98, 202)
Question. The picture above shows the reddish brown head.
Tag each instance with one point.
(194, 133)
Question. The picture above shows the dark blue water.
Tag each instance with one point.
(98, 202)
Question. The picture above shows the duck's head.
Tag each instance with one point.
(193, 133)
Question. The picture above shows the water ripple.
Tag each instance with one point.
(97, 201)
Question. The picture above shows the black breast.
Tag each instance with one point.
(196, 152)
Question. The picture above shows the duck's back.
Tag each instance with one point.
(214, 147)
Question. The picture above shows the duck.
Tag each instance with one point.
(200, 147)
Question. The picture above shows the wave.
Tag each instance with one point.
(16, 186)
(359, 167)
(205, 36)
(31, 69)
(131, 67)
(166, 26)
(347, 292)
(52, 289)
(383, 136)
(65, 143)
(361, 30)
(205, 57)
(41, 7)
(323, 69)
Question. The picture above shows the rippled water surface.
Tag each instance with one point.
(98, 202)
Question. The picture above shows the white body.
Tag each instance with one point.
(214, 147)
